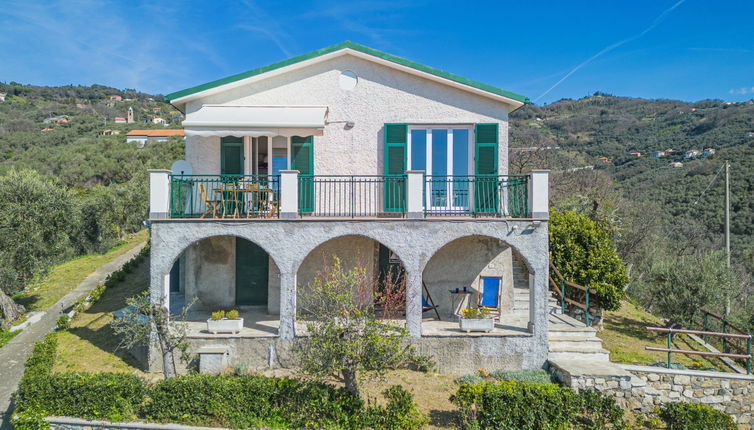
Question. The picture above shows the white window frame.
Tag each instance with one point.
(449, 166)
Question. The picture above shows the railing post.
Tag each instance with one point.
(414, 194)
(670, 346)
(706, 324)
(748, 352)
(289, 194)
(586, 310)
(539, 194)
(159, 193)
(726, 349)
(562, 295)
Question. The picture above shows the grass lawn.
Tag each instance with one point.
(7, 335)
(625, 336)
(90, 345)
(66, 276)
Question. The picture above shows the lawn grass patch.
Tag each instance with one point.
(64, 277)
(625, 335)
(7, 335)
(90, 345)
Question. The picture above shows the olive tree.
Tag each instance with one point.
(345, 339)
(144, 320)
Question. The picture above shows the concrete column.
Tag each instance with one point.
(415, 194)
(166, 291)
(539, 206)
(287, 328)
(289, 194)
(414, 303)
(159, 194)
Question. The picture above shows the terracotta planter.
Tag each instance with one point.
(224, 325)
(477, 324)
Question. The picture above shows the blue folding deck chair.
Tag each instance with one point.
(490, 293)
(427, 303)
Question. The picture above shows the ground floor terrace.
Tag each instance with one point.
(263, 267)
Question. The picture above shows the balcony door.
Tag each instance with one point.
(444, 153)
(231, 155)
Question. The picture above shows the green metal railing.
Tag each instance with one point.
(352, 196)
(669, 350)
(476, 195)
(574, 298)
(224, 196)
(712, 321)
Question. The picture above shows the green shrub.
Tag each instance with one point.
(232, 314)
(469, 379)
(225, 399)
(217, 315)
(112, 396)
(399, 414)
(64, 322)
(29, 421)
(535, 376)
(510, 405)
(42, 356)
(691, 416)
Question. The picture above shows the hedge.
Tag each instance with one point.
(511, 405)
(209, 400)
(693, 416)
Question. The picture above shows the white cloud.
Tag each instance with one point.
(741, 91)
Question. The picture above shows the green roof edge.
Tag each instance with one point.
(355, 47)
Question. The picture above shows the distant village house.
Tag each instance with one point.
(603, 159)
(120, 120)
(60, 119)
(160, 121)
(658, 154)
(708, 151)
(109, 132)
(635, 154)
(143, 136)
(675, 164)
(115, 98)
(691, 154)
(2, 97)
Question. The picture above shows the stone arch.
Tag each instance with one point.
(379, 260)
(224, 271)
(306, 252)
(461, 261)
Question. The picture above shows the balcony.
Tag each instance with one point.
(292, 196)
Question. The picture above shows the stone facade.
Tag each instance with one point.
(642, 388)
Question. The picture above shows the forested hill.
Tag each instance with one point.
(71, 145)
(670, 205)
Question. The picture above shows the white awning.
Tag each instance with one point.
(235, 120)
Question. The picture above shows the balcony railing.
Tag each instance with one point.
(292, 195)
(352, 196)
(476, 196)
(224, 196)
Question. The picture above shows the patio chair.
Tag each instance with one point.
(489, 287)
(428, 304)
(211, 206)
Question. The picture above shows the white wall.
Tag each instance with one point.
(382, 95)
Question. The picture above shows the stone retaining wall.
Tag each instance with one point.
(67, 423)
(642, 388)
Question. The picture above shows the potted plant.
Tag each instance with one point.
(224, 322)
(476, 319)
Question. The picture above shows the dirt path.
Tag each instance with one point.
(14, 354)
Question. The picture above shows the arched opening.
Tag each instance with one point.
(224, 273)
(457, 275)
(385, 279)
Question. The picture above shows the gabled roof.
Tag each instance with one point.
(375, 54)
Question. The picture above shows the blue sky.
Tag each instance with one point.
(546, 50)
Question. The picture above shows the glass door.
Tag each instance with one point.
(443, 153)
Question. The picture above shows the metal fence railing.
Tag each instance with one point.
(352, 196)
(224, 196)
(476, 195)
(746, 357)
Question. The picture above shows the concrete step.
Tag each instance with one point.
(571, 335)
(578, 347)
(580, 356)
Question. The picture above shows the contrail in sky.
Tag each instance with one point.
(609, 48)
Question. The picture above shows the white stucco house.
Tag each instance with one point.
(381, 161)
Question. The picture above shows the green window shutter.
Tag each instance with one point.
(302, 159)
(486, 193)
(231, 155)
(395, 145)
